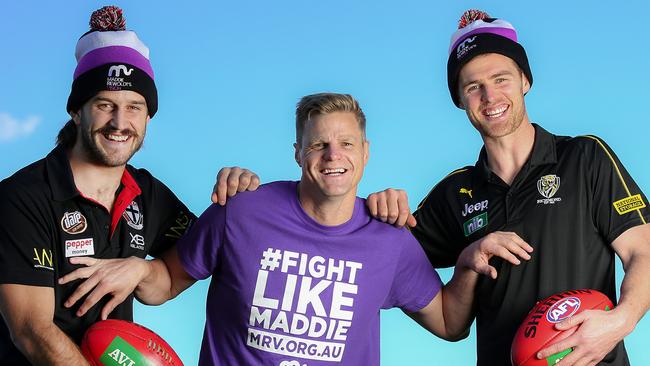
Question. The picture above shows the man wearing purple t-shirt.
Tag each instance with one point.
(300, 270)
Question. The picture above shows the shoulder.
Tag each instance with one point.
(273, 196)
(585, 146)
(277, 192)
(27, 183)
(452, 183)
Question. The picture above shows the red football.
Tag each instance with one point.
(119, 342)
(538, 329)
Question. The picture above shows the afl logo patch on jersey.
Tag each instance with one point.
(73, 222)
(133, 216)
(563, 309)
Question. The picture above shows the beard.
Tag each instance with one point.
(95, 152)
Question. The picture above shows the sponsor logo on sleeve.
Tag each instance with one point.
(133, 216)
(120, 353)
(79, 247)
(475, 224)
(303, 305)
(179, 226)
(43, 258)
(73, 222)
(548, 186)
(629, 204)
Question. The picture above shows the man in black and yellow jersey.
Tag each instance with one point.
(570, 198)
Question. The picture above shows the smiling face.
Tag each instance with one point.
(491, 90)
(332, 153)
(111, 127)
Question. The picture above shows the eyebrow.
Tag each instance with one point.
(491, 77)
(103, 99)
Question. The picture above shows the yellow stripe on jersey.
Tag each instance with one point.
(620, 176)
(434, 187)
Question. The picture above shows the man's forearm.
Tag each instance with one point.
(458, 301)
(635, 292)
(48, 345)
(156, 287)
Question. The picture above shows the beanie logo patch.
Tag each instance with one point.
(465, 46)
(116, 70)
(115, 81)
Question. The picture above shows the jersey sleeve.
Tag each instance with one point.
(415, 282)
(174, 218)
(199, 250)
(26, 240)
(618, 203)
(434, 229)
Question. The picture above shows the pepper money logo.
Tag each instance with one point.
(73, 222)
(547, 186)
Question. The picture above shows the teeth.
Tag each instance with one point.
(117, 138)
(494, 112)
(334, 171)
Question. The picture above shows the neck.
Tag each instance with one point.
(508, 154)
(95, 181)
(328, 211)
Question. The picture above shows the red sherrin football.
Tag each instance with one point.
(538, 329)
(119, 342)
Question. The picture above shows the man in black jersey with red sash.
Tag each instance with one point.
(83, 201)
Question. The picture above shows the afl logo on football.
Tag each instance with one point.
(563, 309)
(133, 216)
(73, 222)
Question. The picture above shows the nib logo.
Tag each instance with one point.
(121, 353)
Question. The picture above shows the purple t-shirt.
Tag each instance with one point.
(287, 291)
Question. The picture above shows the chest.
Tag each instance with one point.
(549, 199)
(84, 228)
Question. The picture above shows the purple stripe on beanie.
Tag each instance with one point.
(503, 32)
(113, 54)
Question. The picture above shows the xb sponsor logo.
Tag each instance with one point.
(548, 186)
(475, 224)
(133, 216)
(137, 241)
(117, 70)
(563, 309)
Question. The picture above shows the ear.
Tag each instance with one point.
(75, 117)
(525, 84)
(296, 154)
(366, 151)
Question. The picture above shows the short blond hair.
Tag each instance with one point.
(324, 103)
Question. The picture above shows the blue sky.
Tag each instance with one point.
(229, 75)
